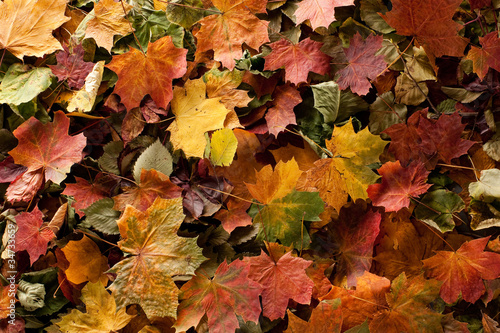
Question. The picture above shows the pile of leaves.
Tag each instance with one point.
(250, 166)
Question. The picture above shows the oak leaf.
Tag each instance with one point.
(463, 271)
(431, 23)
(101, 315)
(31, 236)
(320, 13)
(48, 152)
(229, 293)
(152, 185)
(364, 64)
(399, 185)
(285, 98)
(195, 114)
(297, 59)
(325, 318)
(151, 73)
(226, 32)
(108, 21)
(71, 67)
(281, 279)
(86, 263)
(428, 140)
(154, 255)
(27, 26)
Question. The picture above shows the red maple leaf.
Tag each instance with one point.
(281, 280)
(297, 59)
(320, 13)
(352, 237)
(228, 294)
(398, 185)
(151, 73)
(363, 66)
(30, 236)
(431, 23)
(86, 193)
(488, 56)
(428, 140)
(285, 98)
(71, 67)
(463, 271)
(47, 150)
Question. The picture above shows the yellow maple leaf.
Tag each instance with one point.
(108, 21)
(275, 184)
(194, 116)
(100, 316)
(26, 26)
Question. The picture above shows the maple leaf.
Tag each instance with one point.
(462, 271)
(109, 20)
(194, 115)
(229, 293)
(428, 140)
(285, 98)
(325, 318)
(85, 193)
(9, 170)
(297, 59)
(488, 56)
(399, 185)
(316, 272)
(6, 300)
(320, 13)
(154, 254)
(27, 26)
(152, 185)
(408, 311)
(234, 216)
(71, 67)
(226, 32)
(101, 314)
(431, 23)
(346, 172)
(362, 303)
(30, 236)
(151, 73)
(281, 279)
(47, 150)
(352, 237)
(86, 263)
(224, 85)
(275, 184)
(363, 65)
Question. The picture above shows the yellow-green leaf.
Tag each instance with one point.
(223, 147)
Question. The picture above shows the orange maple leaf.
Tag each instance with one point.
(226, 32)
(151, 73)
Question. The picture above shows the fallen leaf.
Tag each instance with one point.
(297, 59)
(278, 117)
(27, 26)
(109, 20)
(151, 73)
(463, 271)
(363, 65)
(229, 293)
(154, 255)
(223, 145)
(325, 318)
(319, 13)
(399, 185)
(86, 193)
(281, 279)
(71, 67)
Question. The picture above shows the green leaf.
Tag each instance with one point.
(22, 83)
(109, 160)
(157, 157)
(223, 147)
(282, 218)
(185, 12)
(437, 207)
(370, 10)
(102, 216)
(327, 99)
(384, 113)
